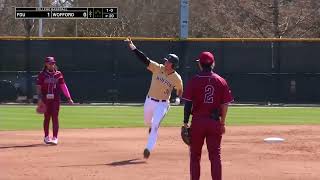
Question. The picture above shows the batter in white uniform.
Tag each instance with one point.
(164, 79)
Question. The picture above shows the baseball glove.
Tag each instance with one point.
(41, 108)
(185, 135)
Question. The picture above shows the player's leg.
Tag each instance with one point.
(55, 121)
(213, 141)
(148, 109)
(158, 115)
(197, 140)
(46, 123)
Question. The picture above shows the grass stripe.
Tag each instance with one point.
(24, 117)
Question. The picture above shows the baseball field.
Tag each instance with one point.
(106, 142)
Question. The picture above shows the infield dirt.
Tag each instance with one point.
(116, 153)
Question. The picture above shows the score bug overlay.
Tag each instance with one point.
(66, 12)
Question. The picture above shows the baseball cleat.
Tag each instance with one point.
(47, 140)
(54, 141)
(146, 153)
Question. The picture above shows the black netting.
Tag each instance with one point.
(106, 70)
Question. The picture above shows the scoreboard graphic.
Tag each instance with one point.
(66, 13)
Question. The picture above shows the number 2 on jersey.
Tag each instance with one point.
(208, 94)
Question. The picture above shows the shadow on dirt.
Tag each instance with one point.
(115, 163)
(22, 146)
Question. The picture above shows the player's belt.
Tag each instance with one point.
(157, 100)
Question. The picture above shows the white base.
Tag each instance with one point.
(273, 139)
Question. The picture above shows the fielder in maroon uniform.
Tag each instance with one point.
(50, 83)
(206, 96)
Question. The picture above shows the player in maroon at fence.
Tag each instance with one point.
(50, 83)
(206, 96)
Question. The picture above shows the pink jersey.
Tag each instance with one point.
(207, 91)
(50, 83)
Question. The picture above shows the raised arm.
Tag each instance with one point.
(142, 57)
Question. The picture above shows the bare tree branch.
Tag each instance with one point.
(208, 18)
(258, 27)
(299, 21)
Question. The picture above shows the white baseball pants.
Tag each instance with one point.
(154, 112)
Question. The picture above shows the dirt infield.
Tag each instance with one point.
(116, 154)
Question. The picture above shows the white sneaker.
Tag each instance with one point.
(54, 140)
(47, 140)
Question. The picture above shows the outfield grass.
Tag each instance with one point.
(25, 118)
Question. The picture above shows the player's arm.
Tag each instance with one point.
(179, 87)
(66, 92)
(65, 89)
(142, 57)
(224, 110)
(179, 92)
(187, 97)
(187, 112)
(38, 88)
(39, 93)
(227, 99)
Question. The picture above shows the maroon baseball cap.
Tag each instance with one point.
(206, 58)
(50, 59)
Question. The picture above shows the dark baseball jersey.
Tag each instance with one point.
(207, 91)
(50, 83)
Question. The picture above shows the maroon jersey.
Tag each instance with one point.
(50, 83)
(207, 91)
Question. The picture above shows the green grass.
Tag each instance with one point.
(25, 118)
